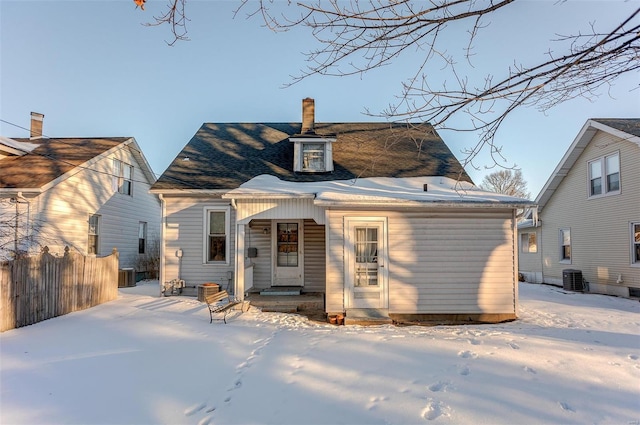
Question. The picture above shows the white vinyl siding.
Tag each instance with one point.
(440, 262)
(185, 230)
(61, 219)
(599, 225)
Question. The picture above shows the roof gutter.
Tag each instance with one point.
(419, 204)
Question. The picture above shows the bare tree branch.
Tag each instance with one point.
(355, 37)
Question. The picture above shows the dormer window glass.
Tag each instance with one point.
(313, 155)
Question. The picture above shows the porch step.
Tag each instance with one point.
(280, 308)
(367, 316)
(281, 290)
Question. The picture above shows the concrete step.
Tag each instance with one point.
(367, 317)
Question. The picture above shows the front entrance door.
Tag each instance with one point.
(287, 246)
(366, 260)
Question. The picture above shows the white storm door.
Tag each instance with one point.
(366, 258)
(287, 246)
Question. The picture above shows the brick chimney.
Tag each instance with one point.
(36, 125)
(308, 115)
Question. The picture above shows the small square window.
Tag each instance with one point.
(528, 243)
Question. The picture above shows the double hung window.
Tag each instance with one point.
(122, 177)
(216, 235)
(565, 245)
(142, 237)
(94, 233)
(604, 175)
(635, 244)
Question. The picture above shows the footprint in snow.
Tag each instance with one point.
(433, 410)
(530, 370)
(467, 354)
(464, 370)
(566, 407)
(632, 357)
(438, 386)
(514, 346)
(194, 409)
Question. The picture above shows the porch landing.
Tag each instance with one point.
(311, 303)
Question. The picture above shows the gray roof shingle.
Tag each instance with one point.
(223, 156)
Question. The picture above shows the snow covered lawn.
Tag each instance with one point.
(571, 358)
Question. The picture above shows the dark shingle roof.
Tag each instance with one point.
(628, 125)
(51, 159)
(223, 156)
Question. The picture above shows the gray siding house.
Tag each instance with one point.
(90, 194)
(589, 213)
(372, 215)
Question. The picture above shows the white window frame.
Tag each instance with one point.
(205, 233)
(527, 248)
(95, 233)
(634, 244)
(601, 165)
(305, 148)
(119, 177)
(561, 246)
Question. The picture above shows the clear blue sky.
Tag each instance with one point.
(94, 70)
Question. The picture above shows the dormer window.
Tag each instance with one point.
(312, 154)
(313, 157)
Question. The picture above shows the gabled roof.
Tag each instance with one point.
(223, 156)
(51, 159)
(625, 128)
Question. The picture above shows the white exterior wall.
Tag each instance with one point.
(185, 230)
(600, 234)
(59, 216)
(440, 262)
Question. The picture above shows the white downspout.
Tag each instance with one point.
(162, 242)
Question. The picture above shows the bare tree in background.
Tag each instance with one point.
(355, 37)
(507, 182)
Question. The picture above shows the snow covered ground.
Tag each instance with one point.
(571, 358)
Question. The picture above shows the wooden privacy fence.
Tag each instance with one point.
(37, 288)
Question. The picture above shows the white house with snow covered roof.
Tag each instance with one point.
(373, 216)
(586, 235)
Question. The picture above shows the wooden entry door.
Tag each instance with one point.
(366, 261)
(288, 259)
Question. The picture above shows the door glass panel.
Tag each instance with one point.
(287, 244)
(366, 255)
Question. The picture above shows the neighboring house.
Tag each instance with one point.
(91, 194)
(588, 217)
(373, 215)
